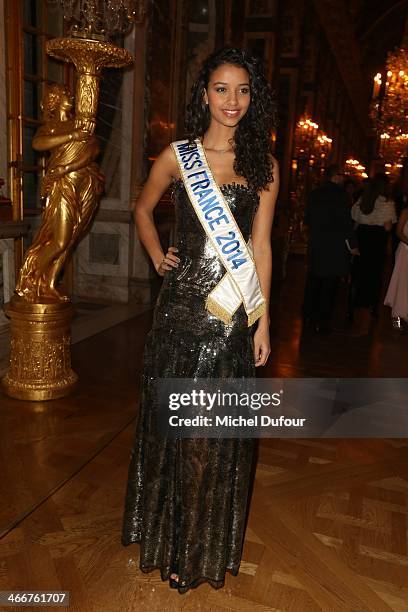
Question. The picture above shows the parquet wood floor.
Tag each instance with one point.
(327, 527)
(327, 531)
(43, 443)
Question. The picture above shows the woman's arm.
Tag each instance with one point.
(355, 213)
(261, 241)
(401, 224)
(163, 171)
(391, 214)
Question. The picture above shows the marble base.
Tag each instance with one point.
(8, 277)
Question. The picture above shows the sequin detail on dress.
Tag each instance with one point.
(187, 499)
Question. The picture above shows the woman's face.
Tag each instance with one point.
(228, 94)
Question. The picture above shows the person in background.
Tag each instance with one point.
(400, 197)
(374, 215)
(331, 240)
(350, 188)
(397, 294)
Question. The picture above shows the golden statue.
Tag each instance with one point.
(40, 316)
(72, 187)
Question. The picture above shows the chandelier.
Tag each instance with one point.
(101, 19)
(393, 169)
(311, 149)
(311, 142)
(354, 169)
(389, 106)
(393, 147)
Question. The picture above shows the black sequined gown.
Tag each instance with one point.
(186, 500)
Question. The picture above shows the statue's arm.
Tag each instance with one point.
(81, 160)
(44, 140)
(79, 163)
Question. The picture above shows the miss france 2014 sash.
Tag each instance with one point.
(240, 284)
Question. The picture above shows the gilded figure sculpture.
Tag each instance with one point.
(71, 187)
(40, 314)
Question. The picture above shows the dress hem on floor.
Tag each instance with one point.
(193, 584)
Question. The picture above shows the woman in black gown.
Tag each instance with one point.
(187, 499)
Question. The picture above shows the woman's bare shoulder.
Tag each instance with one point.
(167, 162)
(163, 171)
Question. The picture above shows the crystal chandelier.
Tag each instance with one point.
(354, 169)
(393, 147)
(101, 19)
(311, 142)
(393, 169)
(389, 106)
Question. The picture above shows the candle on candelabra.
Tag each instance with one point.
(377, 85)
(384, 142)
(388, 81)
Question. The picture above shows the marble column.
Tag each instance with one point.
(141, 269)
(6, 289)
(7, 277)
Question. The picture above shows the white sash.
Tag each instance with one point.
(240, 284)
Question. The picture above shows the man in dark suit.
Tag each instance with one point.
(331, 241)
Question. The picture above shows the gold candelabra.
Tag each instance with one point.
(389, 106)
(355, 169)
(312, 148)
(393, 169)
(311, 142)
(40, 314)
(101, 19)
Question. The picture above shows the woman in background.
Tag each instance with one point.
(397, 294)
(374, 215)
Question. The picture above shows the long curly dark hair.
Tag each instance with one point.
(252, 138)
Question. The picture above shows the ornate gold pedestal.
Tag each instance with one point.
(40, 359)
